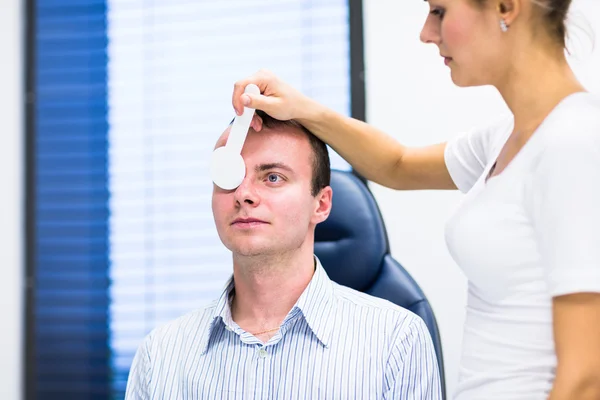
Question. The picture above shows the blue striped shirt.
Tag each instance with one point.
(335, 343)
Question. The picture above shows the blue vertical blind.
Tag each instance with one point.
(131, 96)
(70, 353)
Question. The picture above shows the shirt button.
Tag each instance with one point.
(262, 353)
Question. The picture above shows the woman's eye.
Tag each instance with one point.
(438, 12)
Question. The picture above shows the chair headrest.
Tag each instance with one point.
(352, 242)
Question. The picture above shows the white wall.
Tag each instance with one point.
(11, 197)
(411, 97)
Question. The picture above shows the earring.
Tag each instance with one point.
(503, 25)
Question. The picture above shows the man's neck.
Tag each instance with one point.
(267, 287)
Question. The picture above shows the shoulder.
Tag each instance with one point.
(578, 119)
(484, 139)
(185, 326)
(573, 135)
(467, 155)
(389, 316)
(404, 335)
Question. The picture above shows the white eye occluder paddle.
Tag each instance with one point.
(227, 167)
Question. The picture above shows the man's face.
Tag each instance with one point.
(273, 211)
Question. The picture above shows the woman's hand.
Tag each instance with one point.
(278, 99)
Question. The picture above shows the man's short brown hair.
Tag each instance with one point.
(321, 165)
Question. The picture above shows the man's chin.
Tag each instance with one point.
(250, 249)
(252, 256)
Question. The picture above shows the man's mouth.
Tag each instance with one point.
(248, 221)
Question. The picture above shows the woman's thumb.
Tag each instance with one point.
(258, 102)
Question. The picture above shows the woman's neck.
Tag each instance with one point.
(539, 81)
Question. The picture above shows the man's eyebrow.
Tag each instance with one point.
(276, 165)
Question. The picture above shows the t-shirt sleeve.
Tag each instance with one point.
(468, 154)
(566, 210)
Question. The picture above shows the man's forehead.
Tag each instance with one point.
(265, 134)
(222, 140)
(271, 149)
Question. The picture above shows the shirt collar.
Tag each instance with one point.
(221, 315)
(315, 303)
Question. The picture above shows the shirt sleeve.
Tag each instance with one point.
(468, 154)
(566, 210)
(138, 382)
(412, 371)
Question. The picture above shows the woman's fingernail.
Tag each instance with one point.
(245, 100)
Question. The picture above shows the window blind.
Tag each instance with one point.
(128, 99)
(68, 349)
(172, 65)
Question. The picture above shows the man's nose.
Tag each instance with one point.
(247, 192)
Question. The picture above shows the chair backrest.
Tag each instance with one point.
(352, 245)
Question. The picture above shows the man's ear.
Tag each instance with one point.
(323, 205)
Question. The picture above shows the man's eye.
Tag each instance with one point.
(273, 178)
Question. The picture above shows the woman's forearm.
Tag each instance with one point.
(372, 153)
(377, 156)
(580, 388)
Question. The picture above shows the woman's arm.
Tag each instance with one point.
(577, 341)
(565, 214)
(379, 157)
(375, 155)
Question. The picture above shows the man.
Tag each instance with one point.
(282, 329)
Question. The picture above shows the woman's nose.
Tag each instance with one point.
(430, 32)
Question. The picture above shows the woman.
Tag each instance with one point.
(527, 234)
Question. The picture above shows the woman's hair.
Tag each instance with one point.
(553, 15)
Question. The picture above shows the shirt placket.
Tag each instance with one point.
(263, 358)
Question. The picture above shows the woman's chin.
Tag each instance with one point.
(464, 81)
(457, 79)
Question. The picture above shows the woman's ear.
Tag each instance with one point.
(509, 10)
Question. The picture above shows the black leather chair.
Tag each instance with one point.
(353, 247)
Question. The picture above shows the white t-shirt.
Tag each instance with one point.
(528, 234)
